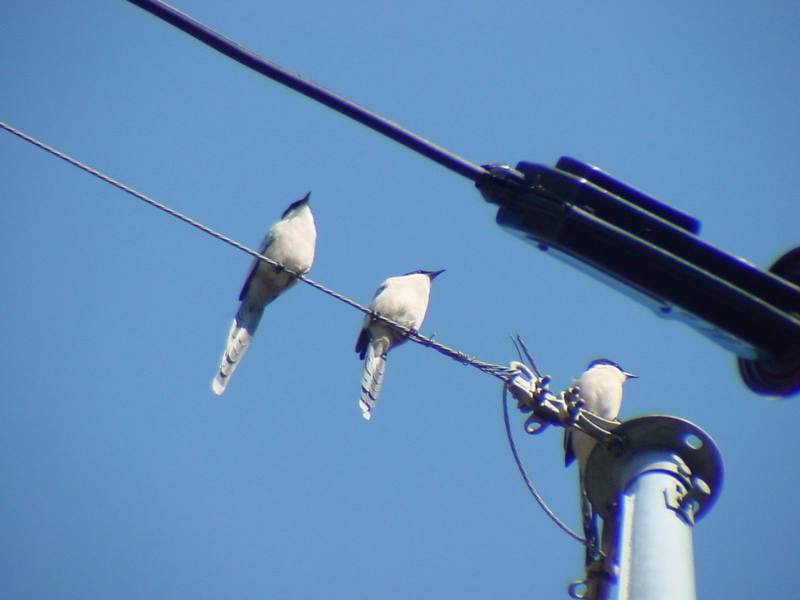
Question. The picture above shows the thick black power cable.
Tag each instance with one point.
(310, 89)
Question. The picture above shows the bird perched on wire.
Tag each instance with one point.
(291, 243)
(600, 388)
(404, 300)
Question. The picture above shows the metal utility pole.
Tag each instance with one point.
(649, 478)
(650, 481)
(652, 477)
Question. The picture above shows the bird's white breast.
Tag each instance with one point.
(404, 299)
(601, 389)
(294, 240)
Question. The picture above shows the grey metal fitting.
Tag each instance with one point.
(661, 443)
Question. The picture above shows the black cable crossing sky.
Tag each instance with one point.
(312, 90)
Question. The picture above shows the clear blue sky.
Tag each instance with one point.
(124, 477)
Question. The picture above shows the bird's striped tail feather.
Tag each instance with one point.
(372, 377)
(239, 338)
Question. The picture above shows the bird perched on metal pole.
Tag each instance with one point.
(291, 243)
(404, 300)
(600, 388)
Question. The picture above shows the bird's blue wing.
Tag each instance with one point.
(364, 337)
(262, 249)
(379, 290)
(362, 342)
(569, 454)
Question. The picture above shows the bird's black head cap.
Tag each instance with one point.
(296, 204)
(432, 274)
(604, 361)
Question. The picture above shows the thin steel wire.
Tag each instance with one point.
(501, 372)
(504, 373)
(531, 488)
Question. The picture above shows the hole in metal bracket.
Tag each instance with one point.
(694, 442)
(533, 425)
(578, 590)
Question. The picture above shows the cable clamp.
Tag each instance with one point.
(533, 395)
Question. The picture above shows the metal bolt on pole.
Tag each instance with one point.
(650, 484)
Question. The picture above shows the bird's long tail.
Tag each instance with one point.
(591, 528)
(242, 329)
(372, 376)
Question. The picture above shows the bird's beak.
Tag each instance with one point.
(630, 375)
(434, 274)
